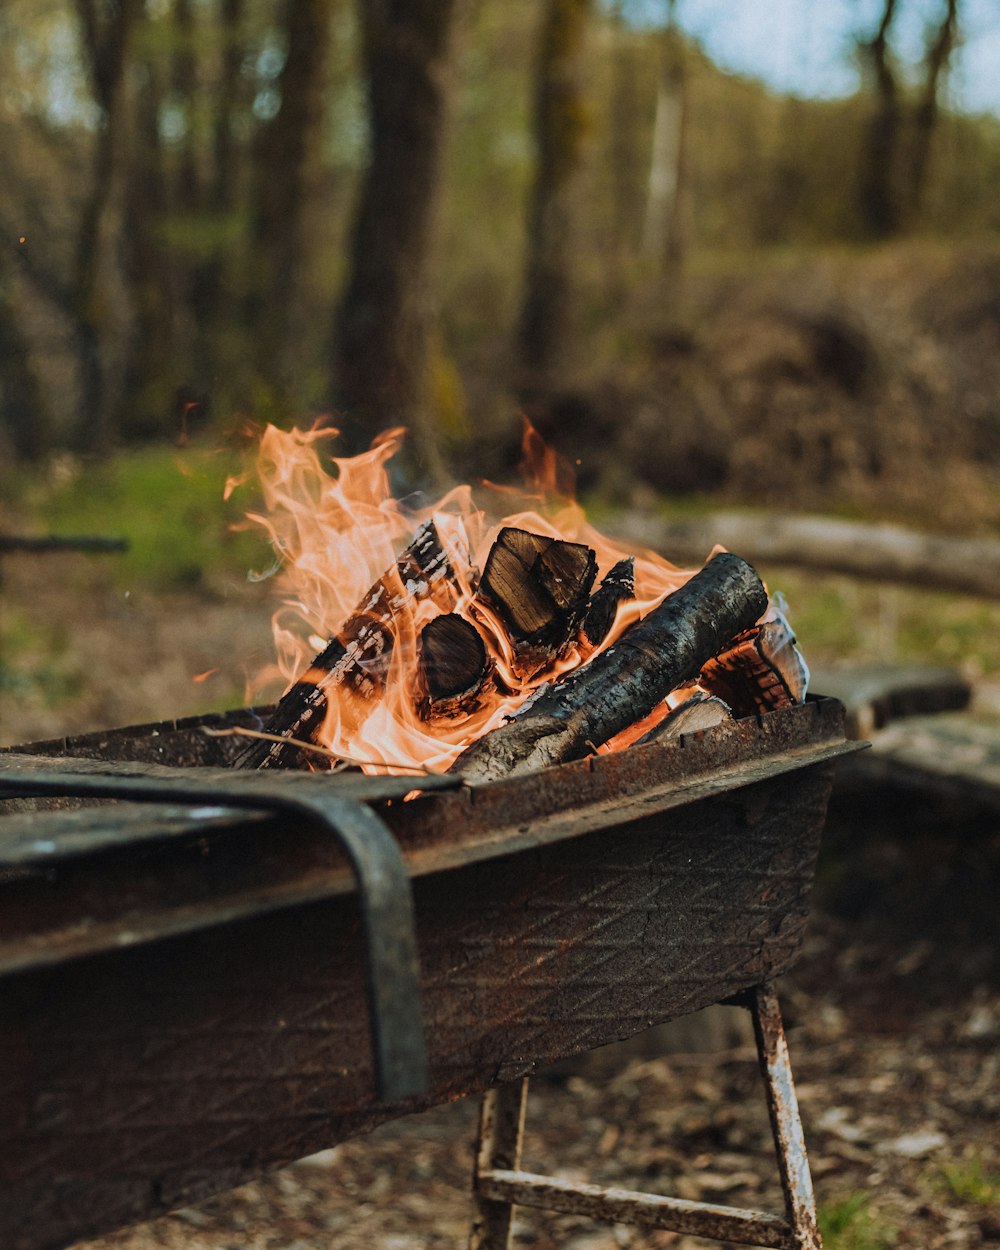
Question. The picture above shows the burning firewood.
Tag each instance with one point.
(538, 587)
(623, 684)
(358, 657)
(701, 711)
(453, 666)
(617, 587)
(760, 671)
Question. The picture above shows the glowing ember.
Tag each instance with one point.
(338, 530)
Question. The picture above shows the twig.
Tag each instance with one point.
(238, 731)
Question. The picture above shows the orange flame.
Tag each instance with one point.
(337, 533)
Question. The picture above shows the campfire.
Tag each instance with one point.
(436, 638)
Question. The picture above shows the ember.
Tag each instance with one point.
(491, 646)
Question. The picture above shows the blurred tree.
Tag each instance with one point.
(384, 324)
(625, 157)
(24, 425)
(940, 46)
(287, 157)
(663, 230)
(107, 27)
(154, 352)
(899, 138)
(561, 125)
(878, 194)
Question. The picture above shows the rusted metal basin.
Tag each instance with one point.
(182, 989)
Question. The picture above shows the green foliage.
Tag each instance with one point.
(167, 503)
(969, 1182)
(848, 1224)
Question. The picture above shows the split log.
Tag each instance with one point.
(453, 666)
(616, 588)
(357, 658)
(762, 670)
(668, 647)
(538, 587)
(701, 711)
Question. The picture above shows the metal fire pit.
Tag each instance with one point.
(217, 979)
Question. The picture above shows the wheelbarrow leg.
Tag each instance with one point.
(786, 1125)
(501, 1131)
(499, 1184)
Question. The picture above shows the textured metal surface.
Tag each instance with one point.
(161, 1060)
(380, 876)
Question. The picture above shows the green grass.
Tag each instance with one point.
(969, 1182)
(34, 663)
(839, 619)
(848, 1224)
(167, 503)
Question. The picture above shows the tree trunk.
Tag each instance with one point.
(23, 414)
(149, 401)
(662, 230)
(936, 61)
(107, 32)
(286, 160)
(878, 198)
(561, 125)
(626, 162)
(383, 333)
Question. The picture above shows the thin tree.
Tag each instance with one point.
(107, 29)
(147, 266)
(663, 235)
(878, 194)
(286, 165)
(940, 46)
(384, 324)
(561, 126)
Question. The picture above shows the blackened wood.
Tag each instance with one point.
(358, 657)
(617, 587)
(623, 684)
(453, 665)
(538, 586)
(761, 670)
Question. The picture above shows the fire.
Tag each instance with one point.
(338, 529)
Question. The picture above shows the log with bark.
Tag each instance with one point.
(668, 647)
(357, 658)
(878, 552)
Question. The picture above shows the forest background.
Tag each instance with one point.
(218, 213)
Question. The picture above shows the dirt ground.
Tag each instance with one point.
(893, 1011)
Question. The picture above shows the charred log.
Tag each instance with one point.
(453, 666)
(357, 658)
(761, 670)
(538, 587)
(617, 586)
(623, 684)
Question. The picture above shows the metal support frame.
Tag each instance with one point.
(499, 1183)
(386, 898)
